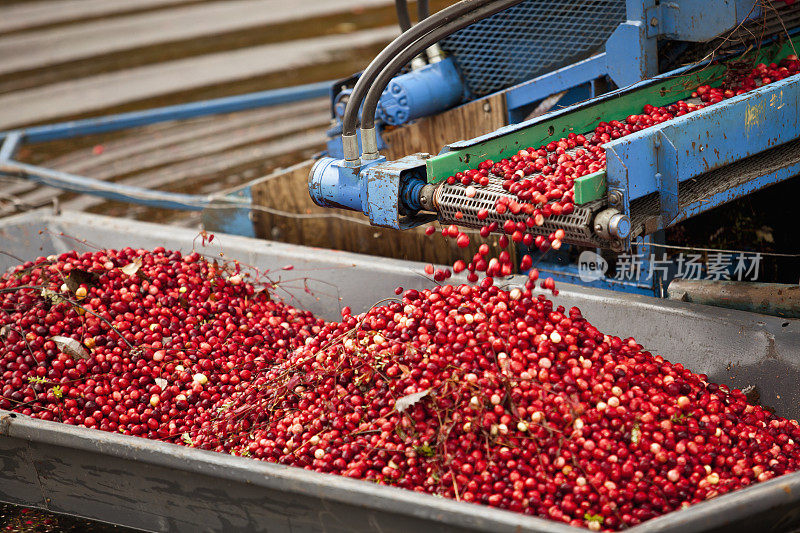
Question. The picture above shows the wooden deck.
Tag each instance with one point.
(67, 59)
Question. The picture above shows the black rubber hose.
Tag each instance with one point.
(422, 10)
(439, 19)
(403, 18)
(397, 63)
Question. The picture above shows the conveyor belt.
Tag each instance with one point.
(645, 210)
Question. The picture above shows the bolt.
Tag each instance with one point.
(615, 198)
(487, 107)
(654, 22)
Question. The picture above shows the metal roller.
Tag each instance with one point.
(451, 199)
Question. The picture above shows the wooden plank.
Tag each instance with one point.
(431, 134)
(28, 15)
(168, 141)
(199, 146)
(105, 90)
(138, 141)
(211, 167)
(37, 49)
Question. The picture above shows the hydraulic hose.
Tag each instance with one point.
(403, 18)
(439, 19)
(395, 64)
(422, 10)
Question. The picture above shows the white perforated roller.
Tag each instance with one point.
(451, 199)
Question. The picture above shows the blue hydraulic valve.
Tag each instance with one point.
(390, 193)
(421, 93)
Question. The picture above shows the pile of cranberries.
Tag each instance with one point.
(540, 181)
(500, 398)
(468, 392)
(136, 342)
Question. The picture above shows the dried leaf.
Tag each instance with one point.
(224, 407)
(132, 268)
(4, 331)
(70, 347)
(263, 291)
(409, 400)
(78, 277)
(404, 369)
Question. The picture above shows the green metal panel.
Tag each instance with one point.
(590, 187)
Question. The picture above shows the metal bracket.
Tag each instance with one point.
(667, 177)
(382, 202)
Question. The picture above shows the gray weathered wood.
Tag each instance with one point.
(42, 48)
(27, 15)
(115, 88)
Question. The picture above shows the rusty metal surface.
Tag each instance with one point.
(162, 487)
(691, 145)
(772, 298)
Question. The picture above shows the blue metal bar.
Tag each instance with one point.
(229, 104)
(112, 191)
(569, 274)
(556, 81)
(700, 20)
(635, 9)
(10, 145)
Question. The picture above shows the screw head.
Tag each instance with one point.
(654, 22)
(487, 107)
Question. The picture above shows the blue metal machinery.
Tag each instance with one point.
(654, 178)
(543, 47)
